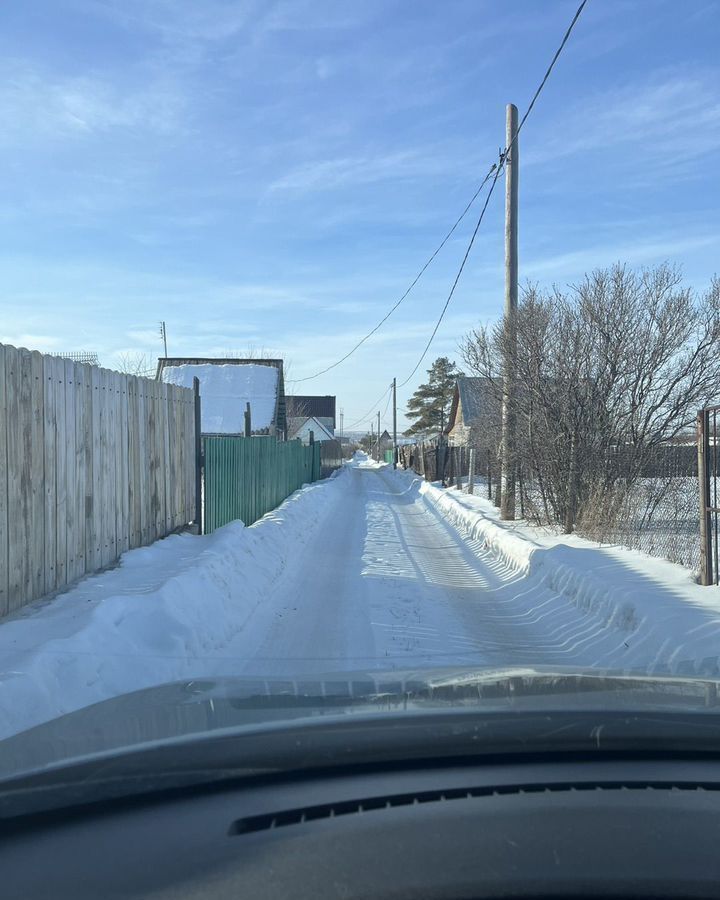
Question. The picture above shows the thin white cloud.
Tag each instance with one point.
(36, 104)
(635, 253)
(670, 119)
(345, 171)
(186, 20)
(43, 342)
(314, 15)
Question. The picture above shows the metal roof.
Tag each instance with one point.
(304, 405)
(477, 398)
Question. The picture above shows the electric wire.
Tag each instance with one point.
(367, 414)
(398, 302)
(457, 279)
(498, 169)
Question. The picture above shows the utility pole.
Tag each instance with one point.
(163, 335)
(395, 448)
(342, 419)
(507, 475)
(378, 438)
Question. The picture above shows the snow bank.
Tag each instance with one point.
(361, 460)
(168, 611)
(647, 601)
(225, 390)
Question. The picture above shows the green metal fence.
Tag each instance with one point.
(247, 477)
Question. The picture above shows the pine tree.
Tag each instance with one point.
(429, 406)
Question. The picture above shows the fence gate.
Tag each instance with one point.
(246, 477)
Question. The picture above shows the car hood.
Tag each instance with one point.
(190, 709)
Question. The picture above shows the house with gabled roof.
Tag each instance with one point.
(301, 426)
(476, 407)
(227, 386)
(321, 408)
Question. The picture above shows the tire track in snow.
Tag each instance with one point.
(390, 581)
(387, 581)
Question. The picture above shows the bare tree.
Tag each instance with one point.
(137, 363)
(254, 352)
(607, 371)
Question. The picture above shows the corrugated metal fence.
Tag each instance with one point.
(92, 463)
(247, 477)
(331, 457)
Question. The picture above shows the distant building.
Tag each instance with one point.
(475, 409)
(226, 386)
(321, 408)
(300, 427)
(386, 441)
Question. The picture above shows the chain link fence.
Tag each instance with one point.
(646, 502)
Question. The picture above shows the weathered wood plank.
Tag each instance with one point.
(160, 459)
(170, 451)
(93, 520)
(168, 435)
(111, 489)
(18, 479)
(151, 498)
(156, 480)
(108, 468)
(164, 457)
(4, 524)
(143, 468)
(68, 508)
(133, 464)
(191, 437)
(49, 407)
(123, 500)
(36, 587)
(82, 376)
(55, 473)
(180, 454)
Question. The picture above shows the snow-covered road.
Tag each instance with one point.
(387, 580)
(371, 569)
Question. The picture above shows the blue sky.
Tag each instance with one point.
(273, 174)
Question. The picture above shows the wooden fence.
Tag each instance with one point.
(92, 463)
(449, 464)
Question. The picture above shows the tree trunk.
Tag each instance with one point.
(571, 506)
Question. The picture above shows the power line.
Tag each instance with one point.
(412, 285)
(457, 279)
(555, 58)
(375, 404)
(497, 169)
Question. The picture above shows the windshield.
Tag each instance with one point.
(355, 360)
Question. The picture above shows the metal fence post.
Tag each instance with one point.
(471, 471)
(703, 450)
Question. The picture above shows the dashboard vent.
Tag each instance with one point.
(305, 814)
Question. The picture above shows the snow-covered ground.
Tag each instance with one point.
(369, 569)
(225, 389)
